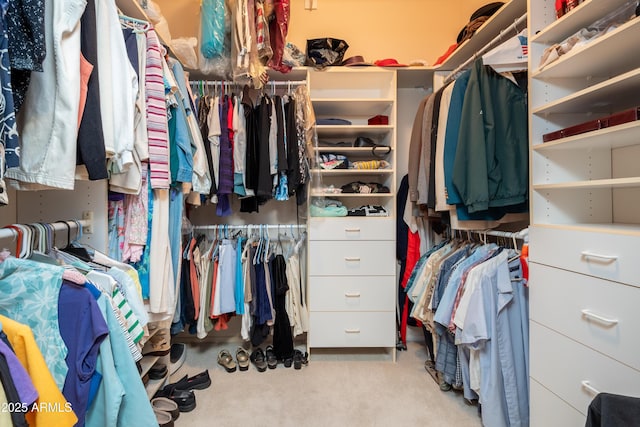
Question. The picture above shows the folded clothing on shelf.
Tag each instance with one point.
(330, 161)
(364, 188)
(370, 164)
(327, 207)
(368, 210)
(333, 121)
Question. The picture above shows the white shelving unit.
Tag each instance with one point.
(585, 200)
(351, 264)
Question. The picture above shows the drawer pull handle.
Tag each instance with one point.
(591, 315)
(608, 258)
(351, 230)
(352, 259)
(587, 386)
(352, 331)
(352, 294)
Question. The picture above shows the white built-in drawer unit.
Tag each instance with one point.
(352, 329)
(575, 372)
(352, 282)
(600, 314)
(608, 256)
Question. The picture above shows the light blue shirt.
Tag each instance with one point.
(492, 327)
(445, 307)
(121, 399)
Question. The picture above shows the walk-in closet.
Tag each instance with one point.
(319, 213)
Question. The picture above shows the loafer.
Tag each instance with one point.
(226, 361)
(167, 405)
(272, 360)
(164, 418)
(185, 399)
(258, 360)
(243, 359)
(197, 382)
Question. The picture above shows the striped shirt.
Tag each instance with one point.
(156, 115)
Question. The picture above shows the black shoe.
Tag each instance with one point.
(257, 358)
(299, 359)
(197, 382)
(158, 371)
(185, 399)
(272, 360)
(178, 354)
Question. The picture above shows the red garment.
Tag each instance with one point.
(278, 29)
(195, 288)
(413, 255)
(448, 53)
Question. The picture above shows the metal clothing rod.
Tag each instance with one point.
(6, 233)
(496, 40)
(521, 235)
(247, 226)
(272, 83)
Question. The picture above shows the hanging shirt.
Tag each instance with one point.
(215, 130)
(28, 352)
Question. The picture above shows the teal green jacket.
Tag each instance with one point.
(491, 167)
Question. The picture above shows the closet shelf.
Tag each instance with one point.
(502, 19)
(347, 172)
(351, 107)
(585, 14)
(592, 184)
(614, 137)
(353, 130)
(608, 228)
(360, 151)
(154, 385)
(350, 195)
(147, 362)
(610, 96)
(580, 62)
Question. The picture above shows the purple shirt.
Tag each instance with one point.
(21, 379)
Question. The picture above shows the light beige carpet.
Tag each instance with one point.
(348, 389)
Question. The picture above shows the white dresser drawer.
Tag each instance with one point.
(352, 228)
(334, 258)
(348, 293)
(548, 410)
(577, 373)
(608, 256)
(355, 329)
(600, 314)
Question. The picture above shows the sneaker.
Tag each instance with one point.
(178, 355)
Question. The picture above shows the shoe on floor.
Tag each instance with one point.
(242, 356)
(272, 360)
(167, 405)
(164, 418)
(226, 361)
(258, 360)
(178, 355)
(197, 382)
(185, 399)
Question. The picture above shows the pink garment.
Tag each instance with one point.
(85, 72)
(136, 222)
(156, 115)
(278, 29)
(74, 276)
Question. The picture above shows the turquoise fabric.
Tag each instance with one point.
(121, 399)
(29, 293)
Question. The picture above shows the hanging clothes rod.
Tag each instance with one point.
(272, 83)
(520, 235)
(496, 41)
(6, 233)
(247, 226)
